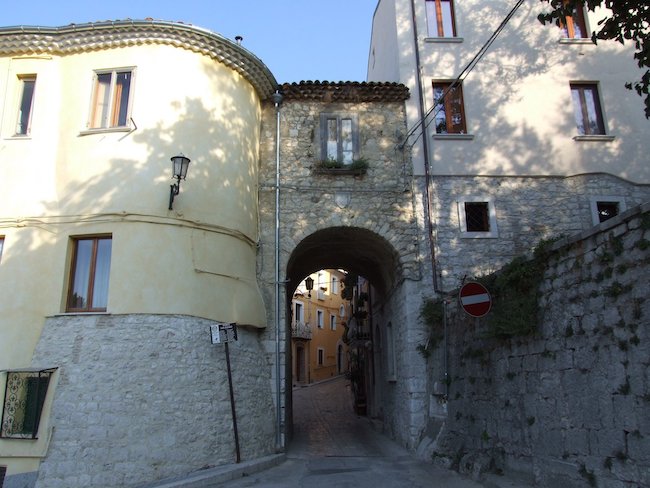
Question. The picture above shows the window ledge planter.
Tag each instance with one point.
(357, 168)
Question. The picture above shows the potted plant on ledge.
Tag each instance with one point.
(329, 166)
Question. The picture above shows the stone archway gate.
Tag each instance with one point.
(366, 217)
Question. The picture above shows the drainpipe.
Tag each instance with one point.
(425, 149)
(277, 99)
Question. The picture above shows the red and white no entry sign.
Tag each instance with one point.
(475, 299)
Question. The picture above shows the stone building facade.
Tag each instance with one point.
(364, 221)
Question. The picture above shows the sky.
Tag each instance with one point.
(326, 40)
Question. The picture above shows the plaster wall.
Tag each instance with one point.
(517, 100)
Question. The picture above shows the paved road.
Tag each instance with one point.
(332, 447)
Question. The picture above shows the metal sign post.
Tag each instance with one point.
(220, 333)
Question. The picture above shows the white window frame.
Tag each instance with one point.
(493, 233)
(320, 319)
(594, 201)
(335, 285)
(22, 79)
(332, 321)
(342, 311)
(105, 125)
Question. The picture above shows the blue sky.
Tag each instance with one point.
(297, 39)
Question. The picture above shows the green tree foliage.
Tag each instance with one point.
(626, 20)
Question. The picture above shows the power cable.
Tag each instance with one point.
(463, 74)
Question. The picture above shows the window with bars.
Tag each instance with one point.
(586, 109)
(89, 274)
(440, 18)
(110, 106)
(448, 108)
(477, 217)
(25, 394)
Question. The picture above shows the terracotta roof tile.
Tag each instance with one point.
(345, 91)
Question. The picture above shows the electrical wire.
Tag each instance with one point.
(463, 74)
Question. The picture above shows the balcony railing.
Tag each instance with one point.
(300, 331)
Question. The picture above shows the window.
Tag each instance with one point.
(2, 245)
(321, 354)
(440, 18)
(319, 318)
(604, 208)
(586, 109)
(110, 102)
(339, 138)
(332, 322)
(575, 27)
(299, 315)
(342, 311)
(448, 108)
(335, 285)
(477, 217)
(23, 403)
(91, 262)
(23, 124)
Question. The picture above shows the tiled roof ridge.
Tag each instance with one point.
(75, 38)
(345, 91)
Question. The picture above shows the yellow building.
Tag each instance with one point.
(107, 287)
(320, 317)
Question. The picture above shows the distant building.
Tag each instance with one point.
(319, 322)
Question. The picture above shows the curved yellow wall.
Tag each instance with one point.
(198, 259)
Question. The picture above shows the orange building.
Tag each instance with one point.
(319, 317)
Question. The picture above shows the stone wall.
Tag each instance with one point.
(527, 209)
(145, 397)
(569, 404)
(377, 212)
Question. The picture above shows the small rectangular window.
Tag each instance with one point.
(586, 109)
(575, 27)
(448, 108)
(477, 217)
(299, 317)
(335, 285)
(339, 136)
(91, 262)
(605, 207)
(23, 403)
(321, 356)
(111, 96)
(24, 122)
(332, 322)
(320, 318)
(440, 18)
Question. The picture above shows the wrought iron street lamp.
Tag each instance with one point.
(309, 284)
(180, 164)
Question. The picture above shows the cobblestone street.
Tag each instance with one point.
(333, 447)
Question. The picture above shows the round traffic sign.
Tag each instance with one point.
(475, 299)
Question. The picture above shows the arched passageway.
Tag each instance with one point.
(359, 252)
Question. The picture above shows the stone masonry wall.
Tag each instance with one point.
(381, 204)
(145, 397)
(527, 209)
(569, 404)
